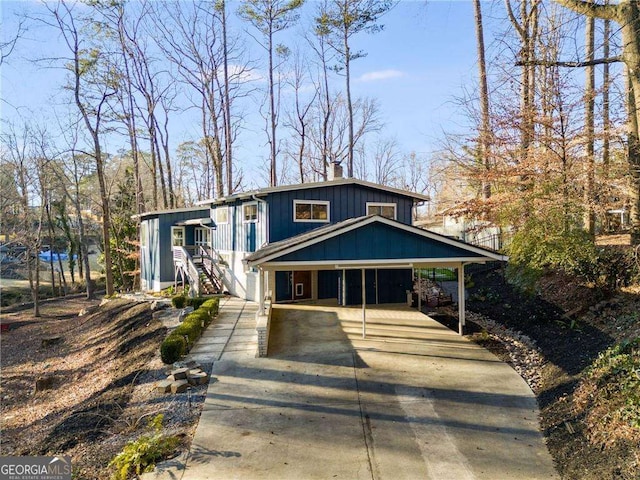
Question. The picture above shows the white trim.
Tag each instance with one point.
(221, 209)
(383, 204)
(184, 239)
(244, 216)
(381, 264)
(303, 186)
(486, 255)
(312, 203)
(206, 232)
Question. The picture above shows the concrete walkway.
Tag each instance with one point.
(231, 336)
(424, 405)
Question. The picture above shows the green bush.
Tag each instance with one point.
(141, 455)
(179, 301)
(190, 329)
(212, 306)
(172, 348)
(196, 302)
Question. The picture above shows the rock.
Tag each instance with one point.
(180, 373)
(179, 386)
(46, 383)
(199, 378)
(184, 312)
(49, 341)
(156, 305)
(192, 364)
(193, 371)
(164, 386)
(171, 378)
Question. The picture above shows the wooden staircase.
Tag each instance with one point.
(197, 266)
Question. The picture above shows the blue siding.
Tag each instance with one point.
(346, 201)
(160, 258)
(236, 235)
(377, 241)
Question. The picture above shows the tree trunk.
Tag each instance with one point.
(485, 126)
(347, 71)
(589, 103)
(272, 115)
(228, 136)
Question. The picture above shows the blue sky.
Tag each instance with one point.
(414, 68)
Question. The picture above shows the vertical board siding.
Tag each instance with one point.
(237, 235)
(346, 201)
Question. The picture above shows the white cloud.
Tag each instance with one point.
(380, 75)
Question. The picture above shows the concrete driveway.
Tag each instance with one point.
(412, 401)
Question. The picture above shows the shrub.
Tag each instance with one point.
(609, 395)
(191, 327)
(179, 301)
(196, 302)
(211, 306)
(141, 455)
(172, 348)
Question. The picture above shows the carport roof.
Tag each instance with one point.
(370, 240)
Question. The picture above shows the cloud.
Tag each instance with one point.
(380, 75)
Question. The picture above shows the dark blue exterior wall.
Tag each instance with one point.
(376, 241)
(158, 264)
(347, 201)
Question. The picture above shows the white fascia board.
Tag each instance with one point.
(380, 264)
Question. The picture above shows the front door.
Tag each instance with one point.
(202, 236)
(302, 285)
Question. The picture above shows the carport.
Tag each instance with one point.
(362, 244)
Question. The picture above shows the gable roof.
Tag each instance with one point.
(303, 186)
(370, 239)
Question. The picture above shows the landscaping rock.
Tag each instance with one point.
(184, 312)
(179, 386)
(46, 383)
(192, 364)
(200, 378)
(164, 386)
(180, 373)
(49, 341)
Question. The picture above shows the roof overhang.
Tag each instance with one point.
(273, 255)
(195, 221)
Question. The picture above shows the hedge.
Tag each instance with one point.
(185, 335)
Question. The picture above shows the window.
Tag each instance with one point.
(387, 210)
(177, 236)
(250, 212)
(144, 239)
(222, 215)
(202, 236)
(310, 211)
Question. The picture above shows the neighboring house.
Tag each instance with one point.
(311, 241)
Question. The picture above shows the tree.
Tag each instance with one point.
(627, 14)
(484, 144)
(91, 90)
(270, 17)
(340, 22)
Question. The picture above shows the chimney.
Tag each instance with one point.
(335, 171)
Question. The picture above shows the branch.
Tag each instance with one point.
(552, 63)
(606, 12)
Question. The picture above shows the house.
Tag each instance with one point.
(345, 240)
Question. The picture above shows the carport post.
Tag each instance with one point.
(419, 288)
(261, 291)
(364, 306)
(461, 300)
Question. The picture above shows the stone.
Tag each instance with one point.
(49, 341)
(199, 378)
(180, 373)
(46, 383)
(171, 378)
(193, 371)
(192, 364)
(184, 312)
(163, 386)
(179, 386)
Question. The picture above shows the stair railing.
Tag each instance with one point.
(183, 260)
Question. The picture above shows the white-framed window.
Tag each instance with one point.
(250, 212)
(222, 215)
(177, 236)
(387, 210)
(311, 211)
(144, 234)
(202, 236)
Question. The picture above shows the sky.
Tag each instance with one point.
(415, 67)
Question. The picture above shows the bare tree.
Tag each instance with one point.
(90, 95)
(270, 17)
(340, 22)
(485, 123)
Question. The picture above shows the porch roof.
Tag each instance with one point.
(370, 241)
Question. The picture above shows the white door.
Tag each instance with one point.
(202, 236)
